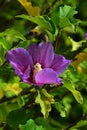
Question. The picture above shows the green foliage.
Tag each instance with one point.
(11, 36)
(43, 21)
(65, 17)
(76, 45)
(2, 55)
(45, 100)
(48, 124)
(80, 124)
(4, 43)
(84, 64)
(62, 107)
(13, 120)
(71, 88)
(20, 101)
(31, 125)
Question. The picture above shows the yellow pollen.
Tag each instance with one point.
(37, 68)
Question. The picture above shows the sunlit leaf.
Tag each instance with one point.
(63, 106)
(14, 88)
(66, 18)
(1, 94)
(75, 44)
(45, 100)
(20, 100)
(64, 21)
(2, 55)
(60, 107)
(30, 125)
(79, 124)
(43, 21)
(67, 11)
(4, 43)
(12, 35)
(77, 95)
(33, 11)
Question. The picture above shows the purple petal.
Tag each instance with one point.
(59, 64)
(21, 61)
(47, 76)
(32, 83)
(86, 35)
(42, 53)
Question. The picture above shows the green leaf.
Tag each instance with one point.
(12, 32)
(77, 95)
(55, 16)
(60, 107)
(17, 117)
(84, 64)
(3, 112)
(2, 55)
(85, 105)
(63, 106)
(79, 124)
(75, 44)
(30, 125)
(64, 21)
(20, 100)
(67, 11)
(45, 100)
(11, 35)
(50, 124)
(43, 21)
(4, 43)
(66, 18)
(51, 23)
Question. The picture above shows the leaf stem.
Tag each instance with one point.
(57, 39)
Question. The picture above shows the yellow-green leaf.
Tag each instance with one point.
(44, 22)
(45, 100)
(77, 95)
(33, 11)
(1, 94)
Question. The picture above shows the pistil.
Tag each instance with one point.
(37, 68)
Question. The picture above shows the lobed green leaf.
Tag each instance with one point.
(43, 21)
(45, 100)
(30, 125)
(77, 95)
(17, 117)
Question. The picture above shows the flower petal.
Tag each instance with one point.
(59, 64)
(32, 83)
(21, 61)
(42, 53)
(47, 76)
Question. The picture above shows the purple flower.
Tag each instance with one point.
(38, 65)
(86, 35)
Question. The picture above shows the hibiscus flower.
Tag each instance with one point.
(38, 65)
